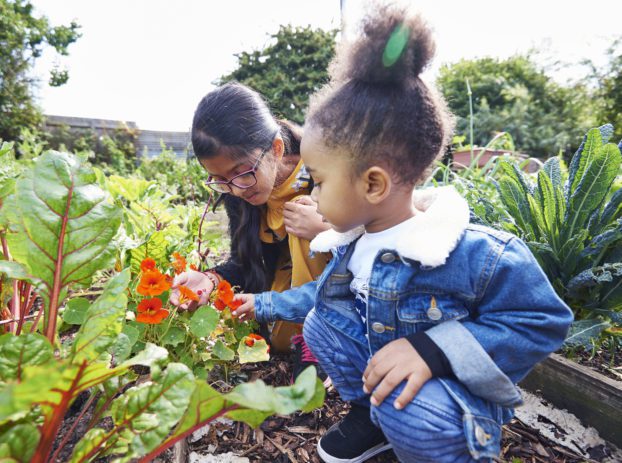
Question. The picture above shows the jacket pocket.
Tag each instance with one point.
(427, 310)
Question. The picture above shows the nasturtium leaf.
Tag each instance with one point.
(131, 332)
(174, 336)
(204, 321)
(121, 349)
(258, 352)
(75, 311)
(222, 352)
(242, 329)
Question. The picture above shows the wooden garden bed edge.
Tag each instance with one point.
(592, 397)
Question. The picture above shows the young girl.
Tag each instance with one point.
(423, 322)
(254, 163)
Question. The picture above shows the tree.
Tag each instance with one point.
(517, 97)
(608, 80)
(289, 70)
(23, 36)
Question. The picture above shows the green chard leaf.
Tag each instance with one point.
(61, 227)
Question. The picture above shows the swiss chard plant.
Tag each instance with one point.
(572, 222)
(58, 226)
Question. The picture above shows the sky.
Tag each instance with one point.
(151, 61)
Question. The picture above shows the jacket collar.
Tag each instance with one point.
(434, 232)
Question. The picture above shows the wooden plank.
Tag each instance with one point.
(595, 399)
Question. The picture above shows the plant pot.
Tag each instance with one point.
(592, 397)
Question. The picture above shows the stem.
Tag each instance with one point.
(12, 320)
(471, 122)
(202, 256)
(168, 327)
(26, 302)
(73, 428)
(33, 328)
(50, 328)
(97, 416)
(14, 303)
(50, 428)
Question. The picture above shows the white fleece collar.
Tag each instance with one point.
(433, 233)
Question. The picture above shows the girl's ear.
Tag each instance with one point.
(378, 184)
(278, 147)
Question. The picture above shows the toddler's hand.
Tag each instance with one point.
(246, 311)
(394, 363)
(198, 282)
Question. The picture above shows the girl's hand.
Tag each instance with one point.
(394, 363)
(247, 310)
(301, 218)
(198, 282)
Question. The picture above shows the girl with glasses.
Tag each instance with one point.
(253, 161)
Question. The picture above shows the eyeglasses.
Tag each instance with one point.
(242, 181)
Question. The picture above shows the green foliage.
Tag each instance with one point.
(574, 228)
(289, 70)
(24, 37)
(517, 97)
(114, 151)
(608, 87)
(182, 178)
(61, 227)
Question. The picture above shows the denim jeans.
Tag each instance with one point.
(443, 423)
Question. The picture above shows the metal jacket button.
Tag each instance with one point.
(387, 257)
(434, 313)
(377, 327)
(482, 436)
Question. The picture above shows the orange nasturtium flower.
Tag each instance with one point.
(224, 297)
(186, 294)
(153, 283)
(251, 338)
(179, 265)
(151, 311)
(148, 264)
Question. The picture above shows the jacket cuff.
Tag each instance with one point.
(472, 365)
(431, 354)
(263, 307)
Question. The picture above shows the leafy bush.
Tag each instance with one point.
(184, 178)
(573, 226)
(58, 230)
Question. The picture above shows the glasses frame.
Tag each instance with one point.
(214, 184)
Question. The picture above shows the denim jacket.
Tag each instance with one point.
(478, 293)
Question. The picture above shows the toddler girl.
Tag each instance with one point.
(423, 321)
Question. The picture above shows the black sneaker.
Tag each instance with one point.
(354, 439)
(303, 357)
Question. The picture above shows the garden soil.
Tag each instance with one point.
(294, 438)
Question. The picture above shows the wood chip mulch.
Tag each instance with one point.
(294, 438)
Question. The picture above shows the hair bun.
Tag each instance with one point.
(394, 46)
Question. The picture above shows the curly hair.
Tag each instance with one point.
(376, 106)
